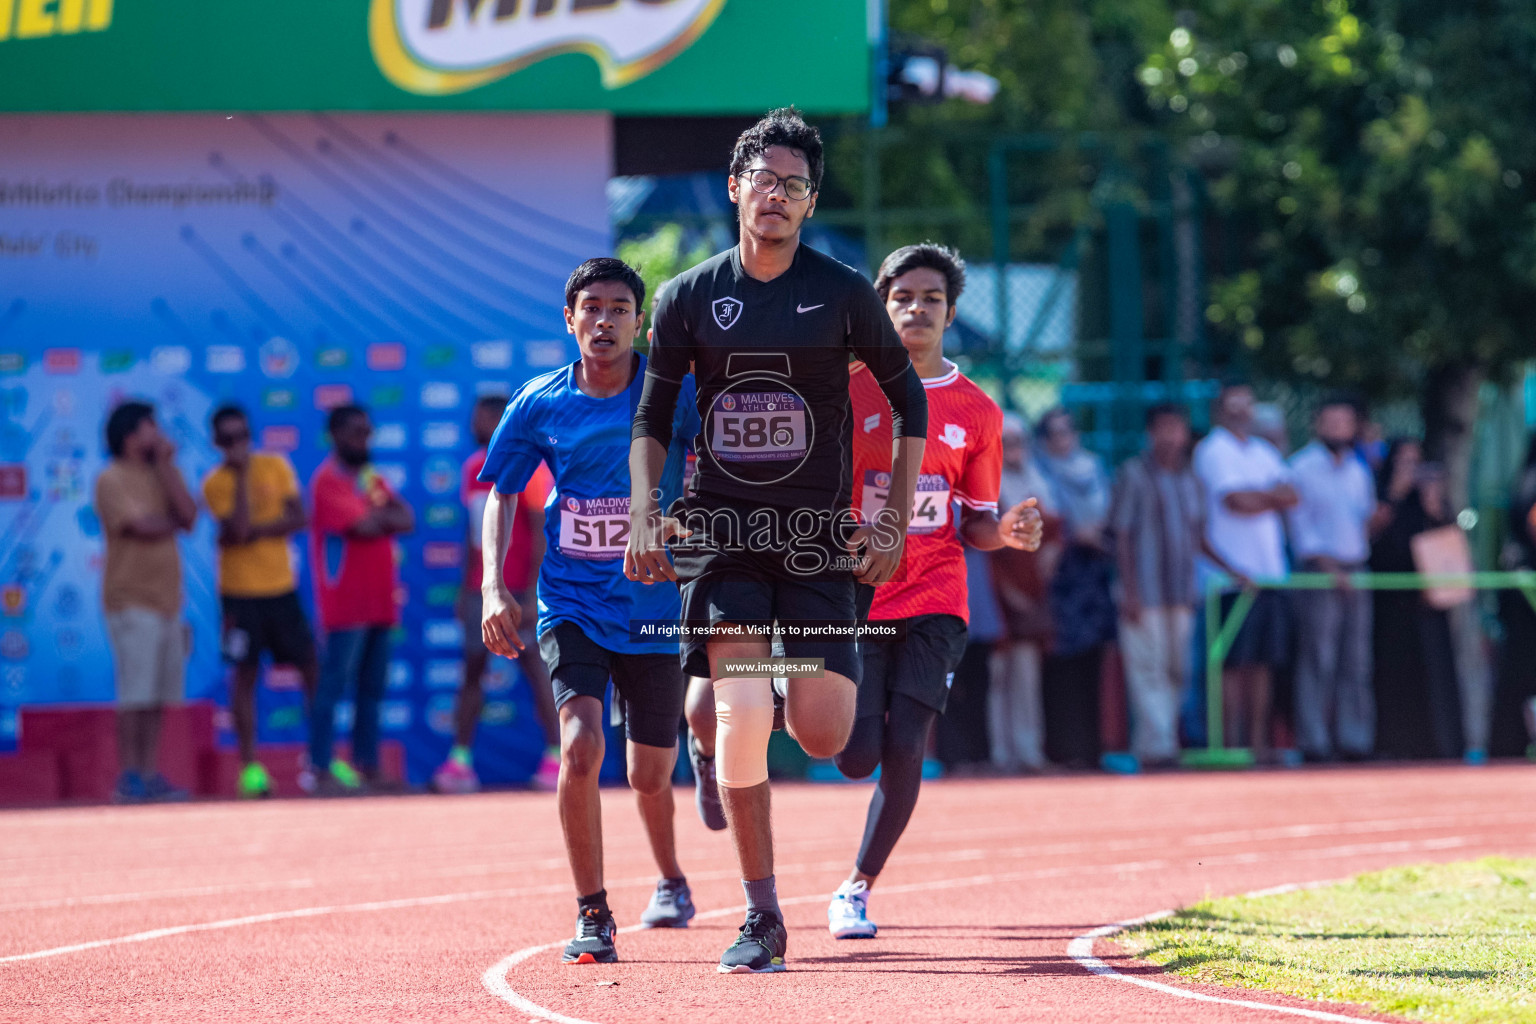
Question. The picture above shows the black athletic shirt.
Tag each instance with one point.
(771, 362)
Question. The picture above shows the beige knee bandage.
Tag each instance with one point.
(744, 711)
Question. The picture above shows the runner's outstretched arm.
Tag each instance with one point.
(501, 616)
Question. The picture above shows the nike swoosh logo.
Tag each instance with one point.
(807, 309)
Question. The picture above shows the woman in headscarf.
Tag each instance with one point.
(1418, 701)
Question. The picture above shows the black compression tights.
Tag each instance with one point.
(896, 742)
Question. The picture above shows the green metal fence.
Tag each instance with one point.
(1221, 633)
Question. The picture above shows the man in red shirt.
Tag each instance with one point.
(524, 554)
(356, 516)
(906, 679)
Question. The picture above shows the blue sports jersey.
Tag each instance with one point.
(585, 443)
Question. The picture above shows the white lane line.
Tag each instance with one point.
(157, 894)
(1081, 950)
(495, 977)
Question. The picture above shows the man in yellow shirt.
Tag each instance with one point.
(255, 498)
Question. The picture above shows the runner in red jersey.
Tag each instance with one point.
(906, 679)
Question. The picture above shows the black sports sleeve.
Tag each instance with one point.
(873, 339)
(666, 366)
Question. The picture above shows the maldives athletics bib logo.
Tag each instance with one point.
(439, 47)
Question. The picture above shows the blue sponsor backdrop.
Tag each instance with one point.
(290, 264)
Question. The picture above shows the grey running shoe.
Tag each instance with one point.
(706, 788)
(780, 695)
(593, 943)
(759, 949)
(671, 905)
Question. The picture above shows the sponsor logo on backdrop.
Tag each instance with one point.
(498, 712)
(329, 396)
(492, 355)
(279, 358)
(440, 47)
(401, 675)
(394, 715)
(439, 475)
(14, 645)
(61, 360)
(280, 439)
(14, 682)
(442, 595)
(66, 602)
(13, 362)
(279, 398)
(443, 633)
(171, 360)
(333, 358)
(13, 482)
(386, 396)
(439, 356)
(13, 600)
(440, 435)
(440, 394)
(389, 437)
(36, 21)
(70, 642)
(225, 359)
(442, 554)
(540, 354)
(393, 473)
(284, 677)
(442, 515)
(444, 673)
(439, 714)
(386, 355)
(117, 360)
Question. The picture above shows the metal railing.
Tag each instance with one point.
(1221, 634)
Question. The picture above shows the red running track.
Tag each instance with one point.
(424, 908)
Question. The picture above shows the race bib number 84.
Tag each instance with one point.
(930, 504)
(758, 427)
(594, 528)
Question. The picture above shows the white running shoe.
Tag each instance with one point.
(847, 914)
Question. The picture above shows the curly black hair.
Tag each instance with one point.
(925, 254)
(603, 268)
(781, 127)
(125, 419)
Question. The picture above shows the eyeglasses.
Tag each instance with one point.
(765, 181)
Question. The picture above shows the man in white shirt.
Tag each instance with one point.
(1247, 487)
(1335, 709)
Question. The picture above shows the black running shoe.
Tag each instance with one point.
(759, 949)
(593, 943)
(706, 788)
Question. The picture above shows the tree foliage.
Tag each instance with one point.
(1378, 156)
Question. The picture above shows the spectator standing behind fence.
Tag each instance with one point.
(143, 503)
(1247, 487)
(525, 553)
(1082, 608)
(1418, 701)
(1514, 704)
(255, 498)
(356, 515)
(1020, 579)
(1158, 515)
(1335, 712)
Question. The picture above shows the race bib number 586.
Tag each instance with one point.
(758, 427)
(594, 528)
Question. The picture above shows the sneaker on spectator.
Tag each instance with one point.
(129, 789)
(454, 777)
(159, 789)
(254, 782)
(345, 774)
(547, 778)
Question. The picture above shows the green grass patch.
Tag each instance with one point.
(1435, 942)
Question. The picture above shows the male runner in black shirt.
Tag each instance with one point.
(768, 540)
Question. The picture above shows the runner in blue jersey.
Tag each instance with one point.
(595, 625)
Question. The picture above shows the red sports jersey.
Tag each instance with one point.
(518, 570)
(962, 461)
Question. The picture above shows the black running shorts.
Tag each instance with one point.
(254, 626)
(650, 686)
(922, 666)
(822, 610)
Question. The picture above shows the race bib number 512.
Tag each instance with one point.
(758, 427)
(930, 503)
(594, 528)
